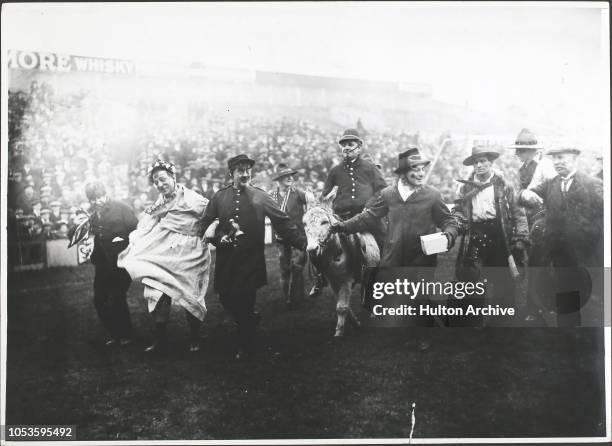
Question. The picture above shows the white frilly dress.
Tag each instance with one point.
(166, 254)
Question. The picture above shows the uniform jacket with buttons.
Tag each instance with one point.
(420, 214)
(116, 221)
(243, 267)
(357, 182)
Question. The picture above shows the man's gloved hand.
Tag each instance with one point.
(337, 227)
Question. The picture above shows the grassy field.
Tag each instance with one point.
(491, 382)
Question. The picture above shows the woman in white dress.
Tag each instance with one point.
(167, 255)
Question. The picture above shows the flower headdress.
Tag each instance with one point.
(161, 165)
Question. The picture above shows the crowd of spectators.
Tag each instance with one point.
(54, 149)
(52, 154)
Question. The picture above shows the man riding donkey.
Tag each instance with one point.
(357, 180)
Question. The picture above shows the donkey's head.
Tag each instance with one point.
(317, 224)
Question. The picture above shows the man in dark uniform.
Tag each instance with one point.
(111, 223)
(294, 202)
(357, 180)
(240, 267)
(574, 231)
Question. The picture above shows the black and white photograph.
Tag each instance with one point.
(305, 223)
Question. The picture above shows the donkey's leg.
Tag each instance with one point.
(342, 307)
(353, 318)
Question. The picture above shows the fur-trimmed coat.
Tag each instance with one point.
(508, 213)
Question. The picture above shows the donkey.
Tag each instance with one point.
(340, 257)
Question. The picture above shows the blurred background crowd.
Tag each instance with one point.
(55, 148)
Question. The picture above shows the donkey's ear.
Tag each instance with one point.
(327, 200)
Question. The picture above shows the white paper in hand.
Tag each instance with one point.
(434, 243)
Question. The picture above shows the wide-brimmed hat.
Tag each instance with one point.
(559, 150)
(242, 158)
(478, 151)
(350, 135)
(282, 171)
(526, 139)
(410, 158)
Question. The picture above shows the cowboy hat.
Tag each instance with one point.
(350, 135)
(410, 158)
(283, 171)
(526, 140)
(242, 158)
(477, 152)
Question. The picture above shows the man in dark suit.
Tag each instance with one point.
(111, 223)
(240, 267)
(574, 230)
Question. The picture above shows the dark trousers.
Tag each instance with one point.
(110, 288)
(292, 262)
(241, 305)
(573, 284)
(487, 261)
(538, 259)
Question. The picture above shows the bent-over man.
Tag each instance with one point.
(111, 223)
